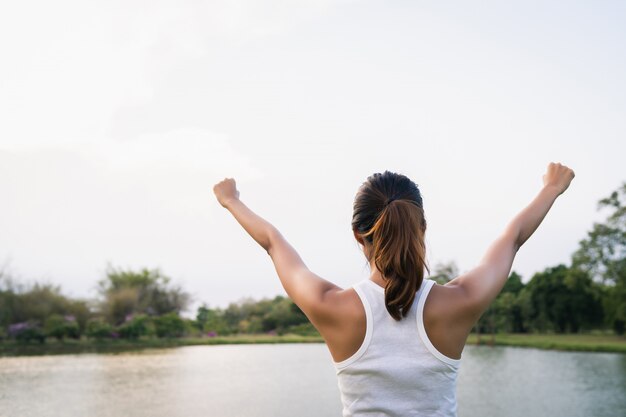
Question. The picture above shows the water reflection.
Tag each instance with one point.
(289, 380)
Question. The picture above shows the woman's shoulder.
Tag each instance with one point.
(446, 326)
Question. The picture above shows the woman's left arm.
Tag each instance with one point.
(304, 287)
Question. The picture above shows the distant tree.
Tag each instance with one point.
(147, 291)
(562, 299)
(603, 255)
(169, 325)
(37, 302)
(26, 332)
(212, 321)
(135, 327)
(98, 329)
(513, 284)
(250, 316)
(61, 327)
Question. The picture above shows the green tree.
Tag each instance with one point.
(562, 299)
(212, 321)
(135, 327)
(169, 325)
(98, 329)
(61, 327)
(37, 302)
(603, 255)
(147, 291)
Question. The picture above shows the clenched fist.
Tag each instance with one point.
(559, 176)
(226, 191)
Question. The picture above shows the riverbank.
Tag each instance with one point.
(569, 342)
(54, 347)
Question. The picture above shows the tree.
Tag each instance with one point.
(147, 291)
(135, 327)
(99, 329)
(169, 325)
(61, 327)
(211, 321)
(36, 303)
(562, 299)
(602, 254)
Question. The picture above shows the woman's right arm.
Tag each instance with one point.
(477, 288)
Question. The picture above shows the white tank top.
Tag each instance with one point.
(396, 372)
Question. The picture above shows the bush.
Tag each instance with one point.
(99, 329)
(169, 325)
(135, 327)
(61, 327)
(26, 332)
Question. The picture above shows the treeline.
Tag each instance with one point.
(132, 305)
(587, 294)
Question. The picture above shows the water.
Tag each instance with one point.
(295, 380)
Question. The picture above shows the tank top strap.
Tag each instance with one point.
(422, 329)
(364, 291)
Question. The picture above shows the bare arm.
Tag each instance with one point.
(478, 287)
(305, 288)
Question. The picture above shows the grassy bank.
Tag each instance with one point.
(572, 342)
(53, 347)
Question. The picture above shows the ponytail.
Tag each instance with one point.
(397, 239)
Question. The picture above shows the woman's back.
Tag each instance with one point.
(396, 371)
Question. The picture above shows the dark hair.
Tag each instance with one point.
(388, 215)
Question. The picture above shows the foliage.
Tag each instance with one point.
(248, 316)
(37, 303)
(147, 291)
(603, 255)
(99, 329)
(603, 252)
(562, 299)
(61, 327)
(212, 321)
(135, 327)
(169, 325)
(26, 332)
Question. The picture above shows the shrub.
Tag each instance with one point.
(61, 327)
(99, 329)
(135, 327)
(26, 332)
(169, 325)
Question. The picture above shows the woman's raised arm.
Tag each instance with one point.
(480, 286)
(305, 288)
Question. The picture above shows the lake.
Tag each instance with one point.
(287, 380)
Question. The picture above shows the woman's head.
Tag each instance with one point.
(388, 219)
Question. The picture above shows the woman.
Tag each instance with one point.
(396, 338)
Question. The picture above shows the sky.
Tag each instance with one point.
(118, 117)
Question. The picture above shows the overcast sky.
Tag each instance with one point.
(118, 117)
